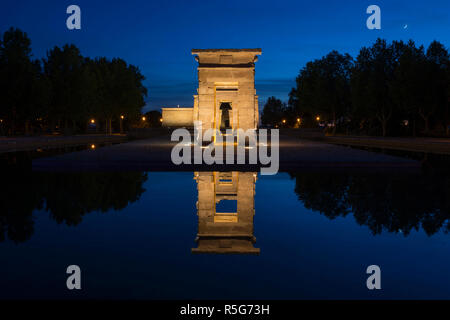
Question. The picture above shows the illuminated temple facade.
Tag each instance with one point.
(226, 96)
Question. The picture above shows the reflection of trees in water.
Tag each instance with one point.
(390, 202)
(67, 196)
(18, 199)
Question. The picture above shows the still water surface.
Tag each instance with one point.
(186, 235)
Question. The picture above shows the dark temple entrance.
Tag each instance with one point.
(225, 122)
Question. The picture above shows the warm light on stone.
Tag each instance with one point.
(226, 96)
(225, 232)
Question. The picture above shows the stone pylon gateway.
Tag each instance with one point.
(226, 97)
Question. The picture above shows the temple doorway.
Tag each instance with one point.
(225, 119)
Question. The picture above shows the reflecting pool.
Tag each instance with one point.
(224, 235)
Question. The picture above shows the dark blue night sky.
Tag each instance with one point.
(157, 36)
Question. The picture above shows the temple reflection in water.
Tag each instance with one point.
(225, 209)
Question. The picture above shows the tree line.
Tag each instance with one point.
(65, 91)
(395, 88)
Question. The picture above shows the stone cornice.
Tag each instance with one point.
(255, 50)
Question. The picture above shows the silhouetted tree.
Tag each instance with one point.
(323, 88)
(436, 84)
(67, 91)
(120, 90)
(386, 85)
(372, 80)
(410, 81)
(153, 118)
(65, 69)
(273, 112)
(23, 91)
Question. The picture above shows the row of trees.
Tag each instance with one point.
(389, 89)
(65, 90)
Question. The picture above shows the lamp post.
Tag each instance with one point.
(92, 122)
(121, 123)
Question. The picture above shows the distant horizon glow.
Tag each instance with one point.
(157, 37)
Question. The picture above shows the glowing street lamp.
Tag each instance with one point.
(92, 121)
(318, 118)
(161, 119)
(92, 146)
(144, 118)
(298, 119)
(284, 121)
(121, 123)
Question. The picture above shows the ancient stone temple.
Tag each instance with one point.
(226, 96)
(225, 209)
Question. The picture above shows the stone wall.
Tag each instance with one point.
(177, 117)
